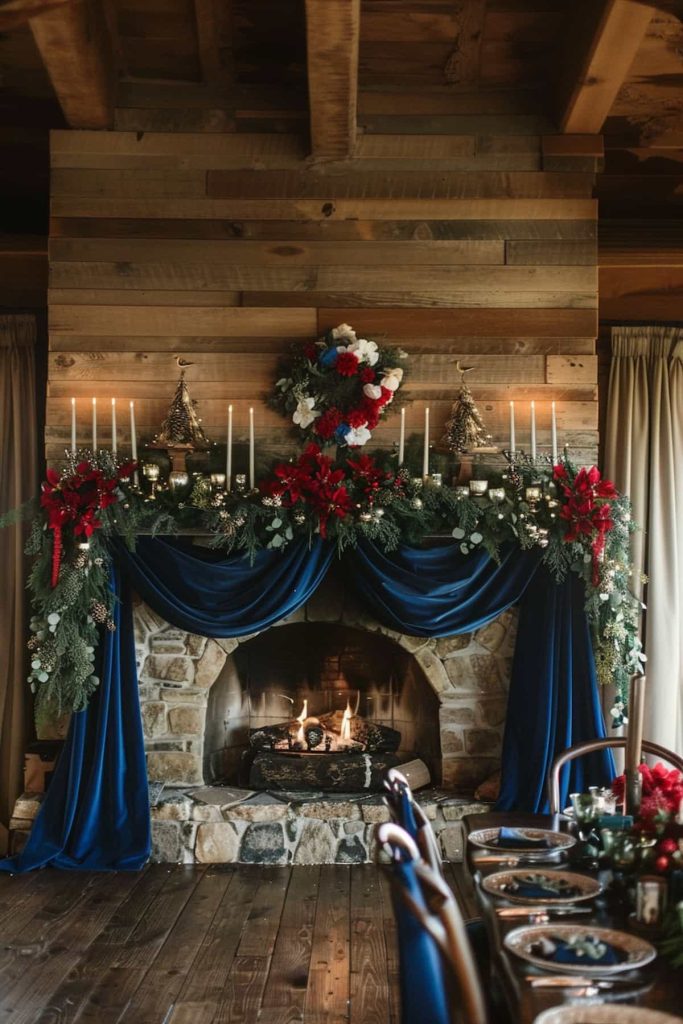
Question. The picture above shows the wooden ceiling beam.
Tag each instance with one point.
(600, 50)
(75, 45)
(332, 39)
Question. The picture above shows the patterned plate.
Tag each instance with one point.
(526, 943)
(487, 839)
(577, 887)
(604, 1013)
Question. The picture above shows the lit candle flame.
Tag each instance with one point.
(346, 722)
(301, 738)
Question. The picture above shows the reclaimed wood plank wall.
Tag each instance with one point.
(475, 238)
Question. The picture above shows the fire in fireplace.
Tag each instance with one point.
(320, 707)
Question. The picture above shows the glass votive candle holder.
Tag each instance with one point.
(533, 493)
(496, 495)
(240, 482)
(417, 481)
(462, 492)
(218, 482)
(437, 479)
(479, 486)
(151, 471)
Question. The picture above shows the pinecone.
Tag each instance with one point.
(70, 584)
(99, 612)
(80, 561)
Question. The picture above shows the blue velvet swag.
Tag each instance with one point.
(96, 816)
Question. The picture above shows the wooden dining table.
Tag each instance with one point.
(658, 985)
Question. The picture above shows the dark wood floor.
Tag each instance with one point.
(192, 945)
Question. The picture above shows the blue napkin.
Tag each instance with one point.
(512, 839)
(568, 954)
(537, 891)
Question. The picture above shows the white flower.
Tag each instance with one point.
(357, 436)
(392, 378)
(343, 331)
(305, 414)
(365, 350)
(372, 391)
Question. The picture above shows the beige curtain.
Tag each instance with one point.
(644, 457)
(18, 482)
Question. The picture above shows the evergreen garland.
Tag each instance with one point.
(342, 500)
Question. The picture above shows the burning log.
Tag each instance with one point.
(335, 732)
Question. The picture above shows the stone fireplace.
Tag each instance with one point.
(200, 697)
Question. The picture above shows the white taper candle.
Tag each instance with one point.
(402, 438)
(228, 458)
(533, 431)
(553, 432)
(133, 442)
(513, 440)
(73, 426)
(425, 455)
(94, 425)
(114, 448)
(252, 472)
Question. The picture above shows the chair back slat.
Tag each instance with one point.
(591, 746)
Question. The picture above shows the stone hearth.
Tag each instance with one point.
(468, 674)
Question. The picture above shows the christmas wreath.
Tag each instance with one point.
(337, 389)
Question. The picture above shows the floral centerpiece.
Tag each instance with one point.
(336, 390)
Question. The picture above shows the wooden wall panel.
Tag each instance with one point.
(470, 241)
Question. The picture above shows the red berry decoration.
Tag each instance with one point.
(668, 846)
(662, 864)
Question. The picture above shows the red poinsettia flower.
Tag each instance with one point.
(326, 424)
(367, 474)
(356, 418)
(661, 795)
(367, 375)
(347, 364)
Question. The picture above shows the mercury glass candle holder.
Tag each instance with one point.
(479, 486)
(532, 494)
(178, 480)
(240, 482)
(150, 471)
(496, 495)
(218, 482)
(462, 492)
(437, 479)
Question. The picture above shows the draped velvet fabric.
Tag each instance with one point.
(95, 814)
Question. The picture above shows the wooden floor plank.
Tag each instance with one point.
(62, 945)
(285, 992)
(327, 995)
(391, 947)
(459, 879)
(369, 992)
(261, 928)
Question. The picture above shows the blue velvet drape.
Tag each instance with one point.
(95, 814)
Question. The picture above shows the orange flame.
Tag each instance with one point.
(346, 722)
(301, 738)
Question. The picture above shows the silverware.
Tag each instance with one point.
(541, 910)
(575, 981)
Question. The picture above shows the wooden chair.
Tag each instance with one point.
(438, 914)
(589, 747)
(399, 799)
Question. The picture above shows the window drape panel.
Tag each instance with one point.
(95, 813)
(18, 483)
(644, 457)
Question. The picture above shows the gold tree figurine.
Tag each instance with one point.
(465, 430)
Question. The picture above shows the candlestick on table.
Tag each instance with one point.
(425, 455)
(133, 442)
(634, 743)
(513, 439)
(73, 426)
(228, 458)
(114, 448)
(533, 431)
(94, 426)
(252, 473)
(553, 432)
(402, 438)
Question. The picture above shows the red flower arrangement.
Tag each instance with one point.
(347, 364)
(662, 791)
(76, 500)
(587, 510)
(312, 480)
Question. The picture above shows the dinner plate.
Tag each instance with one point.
(525, 943)
(487, 839)
(578, 887)
(604, 1013)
